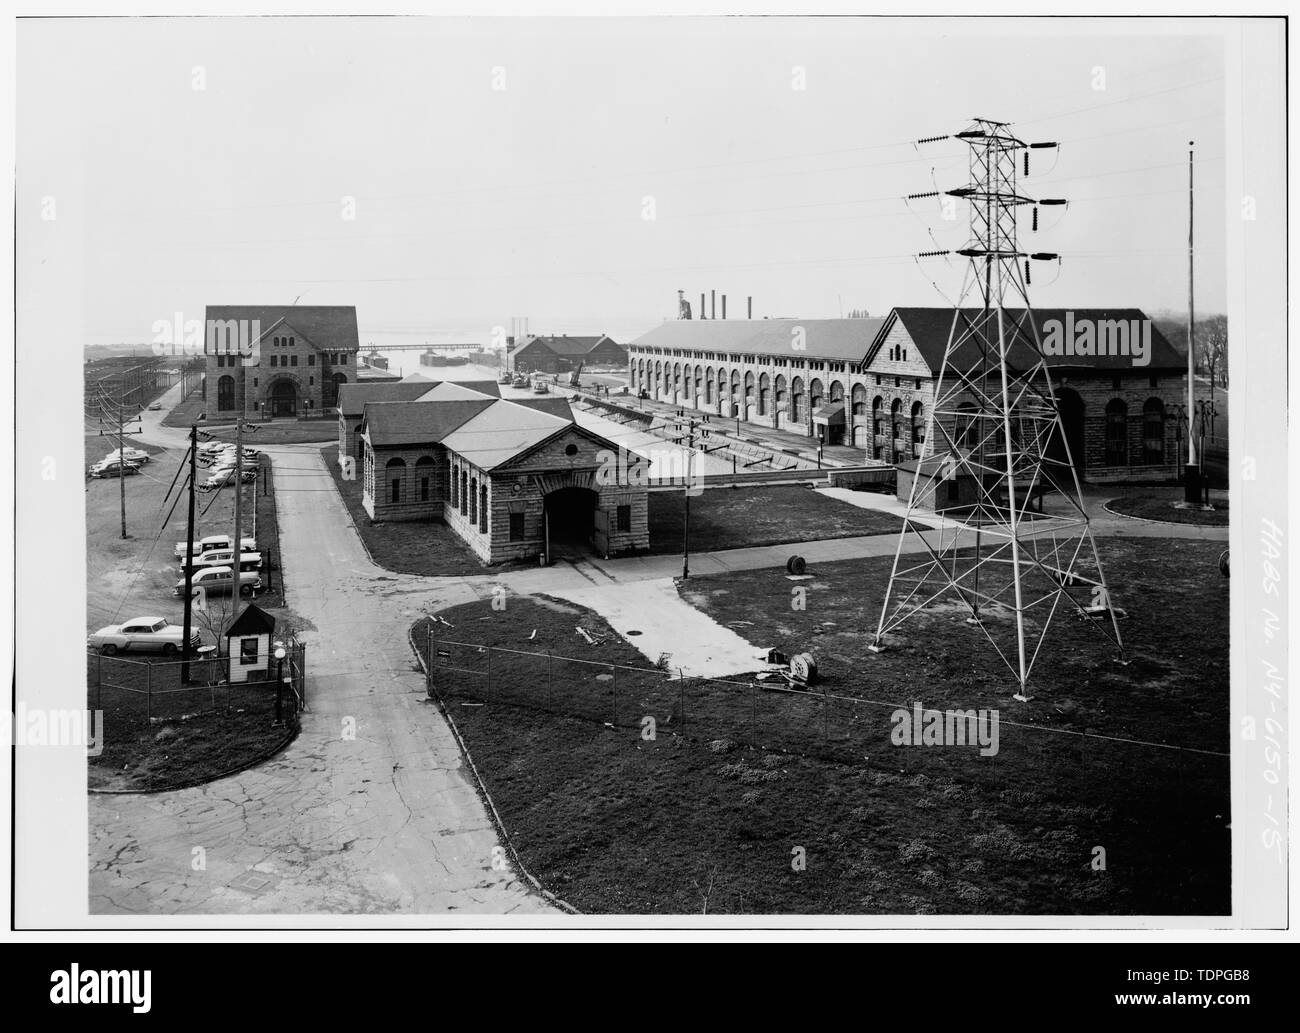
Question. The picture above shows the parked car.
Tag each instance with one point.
(220, 580)
(114, 468)
(143, 634)
(132, 455)
(225, 558)
(212, 541)
(155, 407)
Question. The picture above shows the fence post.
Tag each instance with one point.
(148, 692)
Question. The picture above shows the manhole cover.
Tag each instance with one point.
(634, 632)
(251, 882)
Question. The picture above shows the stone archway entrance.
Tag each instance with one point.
(570, 517)
(284, 398)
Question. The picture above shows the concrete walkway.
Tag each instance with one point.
(665, 623)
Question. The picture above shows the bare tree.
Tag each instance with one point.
(1212, 350)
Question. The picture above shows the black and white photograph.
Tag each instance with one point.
(728, 469)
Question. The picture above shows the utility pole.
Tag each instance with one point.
(189, 561)
(1192, 485)
(121, 467)
(239, 474)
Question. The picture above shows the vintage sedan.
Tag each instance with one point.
(141, 635)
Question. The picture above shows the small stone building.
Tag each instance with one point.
(513, 479)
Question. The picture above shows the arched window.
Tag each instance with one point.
(896, 421)
(1116, 433)
(708, 385)
(764, 394)
(424, 477)
(796, 399)
(1153, 432)
(877, 405)
(226, 393)
(482, 508)
(473, 499)
(918, 425)
(396, 471)
(464, 491)
(859, 400)
(968, 430)
(455, 487)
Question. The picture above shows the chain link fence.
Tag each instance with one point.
(991, 748)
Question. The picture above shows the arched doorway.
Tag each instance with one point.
(1071, 408)
(570, 521)
(284, 398)
(226, 393)
(331, 389)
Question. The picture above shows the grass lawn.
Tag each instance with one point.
(738, 518)
(281, 432)
(193, 735)
(1159, 505)
(714, 809)
(430, 547)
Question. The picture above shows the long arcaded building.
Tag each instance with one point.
(871, 382)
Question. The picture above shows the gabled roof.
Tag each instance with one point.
(553, 404)
(840, 340)
(389, 424)
(327, 327)
(502, 431)
(353, 397)
(252, 620)
(450, 389)
(563, 344)
(929, 329)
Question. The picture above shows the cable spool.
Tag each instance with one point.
(795, 565)
(803, 668)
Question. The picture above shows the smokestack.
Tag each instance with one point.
(749, 307)
(703, 310)
(724, 306)
(713, 304)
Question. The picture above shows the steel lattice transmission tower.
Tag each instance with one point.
(995, 447)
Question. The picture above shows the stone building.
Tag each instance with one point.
(870, 383)
(294, 358)
(353, 398)
(514, 479)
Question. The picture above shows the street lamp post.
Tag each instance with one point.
(279, 683)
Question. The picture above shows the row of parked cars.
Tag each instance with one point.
(121, 462)
(214, 570)
(220, 457)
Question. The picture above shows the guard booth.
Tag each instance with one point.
(828, 423)
(248, 645)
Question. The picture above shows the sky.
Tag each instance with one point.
(446, 176)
